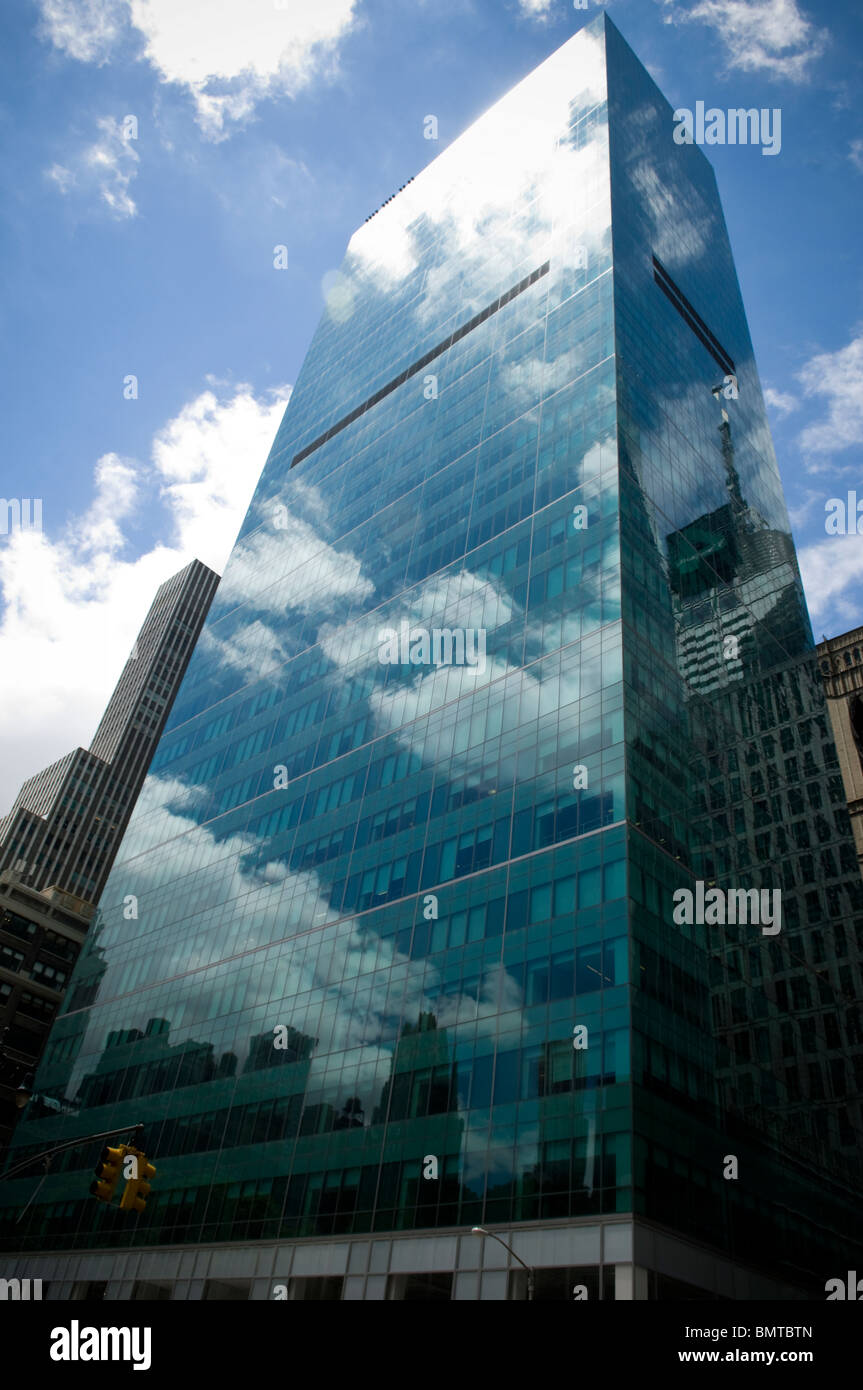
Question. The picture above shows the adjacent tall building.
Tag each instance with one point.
(58, 842)
(67, 821)
(493, 867)
(40, 936)
(841, 661)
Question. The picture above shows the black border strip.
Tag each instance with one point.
(692, 318)
(423, 361)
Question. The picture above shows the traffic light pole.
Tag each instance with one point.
(48, 1154)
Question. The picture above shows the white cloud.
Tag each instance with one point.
(855, 154)
(663, 207)
(465, 600)
(837, 379)
(228, 55)
(829, 569)
(209, 458)
(535, 9)
(780, 401)
(64, 178)
(768, 36)
(85, 29)
(289, 568)
(72, 601)
(255, 650)
(287, 564)
(99, 531)
(105, 168)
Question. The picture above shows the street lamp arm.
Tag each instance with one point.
(69, 1144)
(481, 1231)
(511, 1251)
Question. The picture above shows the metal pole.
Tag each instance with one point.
(481, 1231)
(69, 1144)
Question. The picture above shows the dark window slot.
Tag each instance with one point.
(422, 362)
(692, 318)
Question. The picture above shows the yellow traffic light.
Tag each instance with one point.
(107, 1172)
(137, 1188)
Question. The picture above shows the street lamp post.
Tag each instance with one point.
(481, 1231)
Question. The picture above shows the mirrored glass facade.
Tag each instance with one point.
(390, 943)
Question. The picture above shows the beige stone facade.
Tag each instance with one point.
(841, 663)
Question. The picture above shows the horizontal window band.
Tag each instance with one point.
(423, 361)
(692, 318)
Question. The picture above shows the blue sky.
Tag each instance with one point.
(286, 122)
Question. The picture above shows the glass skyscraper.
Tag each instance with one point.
(510, 656)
